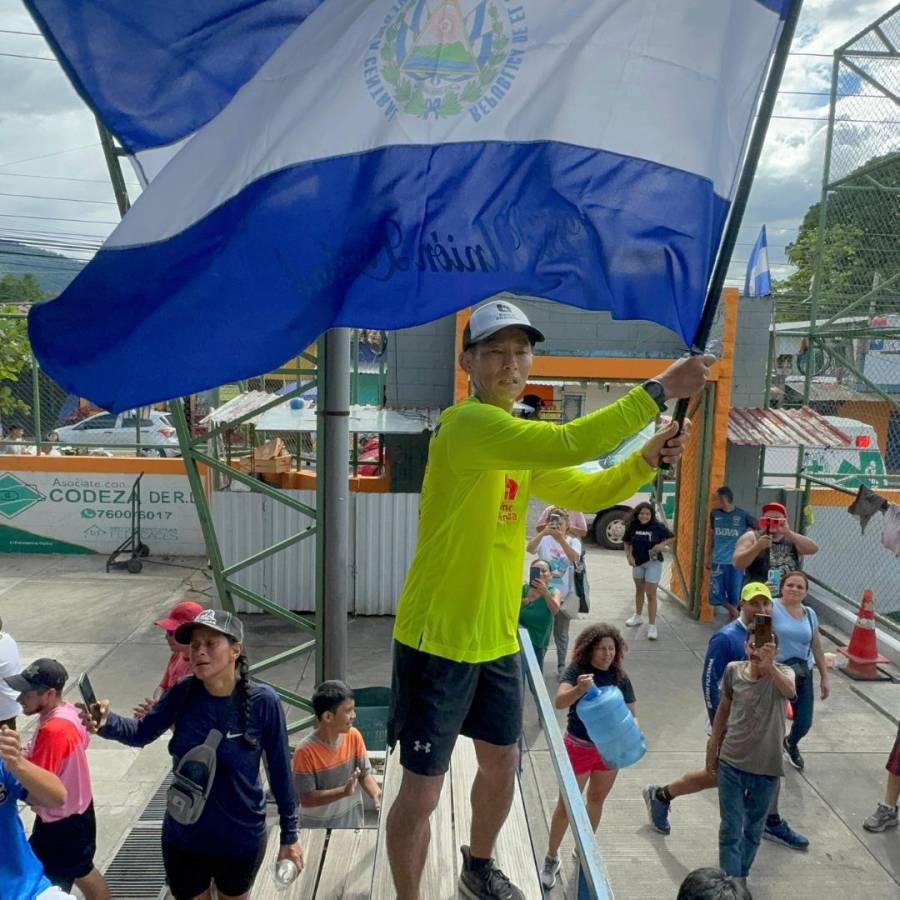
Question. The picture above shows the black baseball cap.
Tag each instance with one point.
(217, 619)
(42, 675)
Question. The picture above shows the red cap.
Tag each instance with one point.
(186, 611)
(775, 508)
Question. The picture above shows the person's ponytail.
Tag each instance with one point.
(243, 696)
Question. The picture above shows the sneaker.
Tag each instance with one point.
(793, 754)
(634, 621)
(552, 865)
(652, 633)
(657, 810)
(782, 833)
(488, 884)
(883, 818)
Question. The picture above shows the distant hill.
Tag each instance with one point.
(53, 270)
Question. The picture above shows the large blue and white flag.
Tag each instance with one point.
(393, 161)
(758, 282)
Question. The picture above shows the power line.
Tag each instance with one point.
(48, 155)
(28, 56)
(56, 219)
(63, 178)
(60, 199)
(29, 33)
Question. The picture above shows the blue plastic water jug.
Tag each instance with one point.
(611, 726)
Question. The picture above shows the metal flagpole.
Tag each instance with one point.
(333, 492)
(742, 194)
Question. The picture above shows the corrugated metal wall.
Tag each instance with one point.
(383, 538)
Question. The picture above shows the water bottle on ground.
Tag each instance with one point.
(286, 873)
(611, 726)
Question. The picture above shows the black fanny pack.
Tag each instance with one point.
(193, 781)
(800, 666)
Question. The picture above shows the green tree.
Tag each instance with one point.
(861, 246)
(15, 351)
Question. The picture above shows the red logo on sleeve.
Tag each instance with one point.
(512, 488)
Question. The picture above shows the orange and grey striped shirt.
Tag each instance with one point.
(318, 767)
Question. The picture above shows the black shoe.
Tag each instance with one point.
(793, 754)
(487, 884)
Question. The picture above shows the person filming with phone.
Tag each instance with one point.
(214, 830)
(64, 837)
(562, 553)
(771, 550)
(745, 746)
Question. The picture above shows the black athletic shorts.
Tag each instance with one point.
(189, 872)
(436, 699)
(66, 848)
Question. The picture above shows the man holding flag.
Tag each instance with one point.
(456, 651)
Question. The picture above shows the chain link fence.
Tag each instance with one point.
(836, 340)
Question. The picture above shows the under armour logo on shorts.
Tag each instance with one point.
(417, 746)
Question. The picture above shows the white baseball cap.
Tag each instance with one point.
(494, 316)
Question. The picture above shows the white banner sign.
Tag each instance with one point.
(92, 512)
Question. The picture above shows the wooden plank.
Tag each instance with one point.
(382, 885)
(514, 853)
(347, 870)
(441, 867)
(304, 888)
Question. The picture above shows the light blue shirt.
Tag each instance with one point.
(794, 635)
(21, 875)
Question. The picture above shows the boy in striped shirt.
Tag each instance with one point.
(332, 764)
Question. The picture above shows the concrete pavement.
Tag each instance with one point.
(67, 607)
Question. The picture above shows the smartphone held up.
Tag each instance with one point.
(762, 630)
(86, 690)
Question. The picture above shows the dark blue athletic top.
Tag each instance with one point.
(725, 646)
(234, 819)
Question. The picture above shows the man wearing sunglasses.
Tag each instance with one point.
(771, 546)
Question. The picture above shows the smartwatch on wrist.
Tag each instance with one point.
(657, 393)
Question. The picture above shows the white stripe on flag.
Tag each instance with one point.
(607, 74)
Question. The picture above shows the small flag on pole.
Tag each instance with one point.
(758, 282)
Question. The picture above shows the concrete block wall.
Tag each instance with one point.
(421, 359)
(420, 365)
(751, 352)
(748, 390)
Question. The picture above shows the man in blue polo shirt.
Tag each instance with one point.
(727, 523)
(21, 874)
(727, 645)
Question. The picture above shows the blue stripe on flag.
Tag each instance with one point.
(478, 24)
(589, 228)
(416, 23)
(487, 46)
(156, 72)
(779, 6)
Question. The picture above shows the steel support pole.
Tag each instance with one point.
(333, 491)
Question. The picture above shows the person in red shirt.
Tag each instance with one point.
(64, 837)
(179, 664)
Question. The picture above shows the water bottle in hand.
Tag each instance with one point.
(611, 726)
(286, 873)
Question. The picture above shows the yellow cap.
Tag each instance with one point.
(755, 589)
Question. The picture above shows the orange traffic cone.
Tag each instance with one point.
(862, 651)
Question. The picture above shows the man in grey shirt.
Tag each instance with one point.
(745, 747)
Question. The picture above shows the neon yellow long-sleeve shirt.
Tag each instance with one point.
(461, 598)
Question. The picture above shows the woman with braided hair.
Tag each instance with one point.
(214, 832)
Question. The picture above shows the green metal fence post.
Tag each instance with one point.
(201, 503)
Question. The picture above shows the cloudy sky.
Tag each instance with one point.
(54, 188)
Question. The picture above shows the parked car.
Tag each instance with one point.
(608, 527)
(110, 430)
